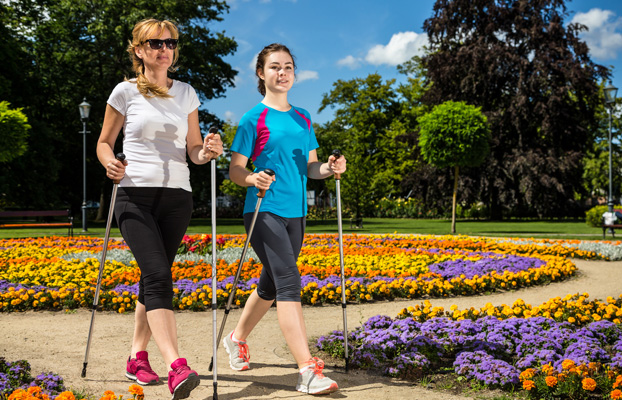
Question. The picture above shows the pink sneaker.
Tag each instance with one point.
(139, 370)
(181, 379)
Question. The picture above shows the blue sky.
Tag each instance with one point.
(347, 39)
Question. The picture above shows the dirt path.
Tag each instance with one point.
(56, 342)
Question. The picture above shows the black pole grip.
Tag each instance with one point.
(262, 192)
(337, 154)
(120, 157)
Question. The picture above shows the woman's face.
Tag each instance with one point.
(156, 59)
(278, 72)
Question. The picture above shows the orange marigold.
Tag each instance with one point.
(616, 394)
(567, 364)
(66, 396)
(136, 389)
(588, 384)
(550, 381)
(526, 374)
(548, 369)
(528, 384)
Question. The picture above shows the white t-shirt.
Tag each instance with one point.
(155, 130)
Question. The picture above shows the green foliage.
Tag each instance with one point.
(371, 126)
(454, 134)
(62, 51)
(13, 132)
(594, 216)
(532, 76)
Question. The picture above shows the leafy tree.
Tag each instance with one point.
(454, 134)
(13, 132)
(534, 80)
(369, 129)
(68, 50)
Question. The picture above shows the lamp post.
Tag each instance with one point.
(85, 109)
(610, 100)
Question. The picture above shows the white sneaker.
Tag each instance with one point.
(313, 381)
(239, 356)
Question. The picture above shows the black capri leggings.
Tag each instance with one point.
(153, 222)
(277, 242)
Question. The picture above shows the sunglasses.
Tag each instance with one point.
(156, 44)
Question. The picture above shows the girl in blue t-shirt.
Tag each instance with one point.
(278, 136)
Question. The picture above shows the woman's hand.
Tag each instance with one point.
(115, 169)
(212, 146)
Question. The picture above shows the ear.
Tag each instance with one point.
(260, 74)
(138, 51)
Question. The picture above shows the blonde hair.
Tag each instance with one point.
(143, 30)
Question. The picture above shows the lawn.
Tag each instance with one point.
(564, 229)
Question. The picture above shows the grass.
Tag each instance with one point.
(564, 229)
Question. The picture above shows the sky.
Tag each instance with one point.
(348, 39)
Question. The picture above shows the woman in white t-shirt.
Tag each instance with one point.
(160, 122)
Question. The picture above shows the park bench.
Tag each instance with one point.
(36, 219)
(611, 227)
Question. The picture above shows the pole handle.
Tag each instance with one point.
(120, 157)
(262, 192)
(213, 130)
(337, 154)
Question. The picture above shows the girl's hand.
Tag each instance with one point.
(337, 165)
(263, 180)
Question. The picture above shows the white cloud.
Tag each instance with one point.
(229, 116)
(604, 37)
(302, 76)
(401, 48)
(350, 62)
(253, 63)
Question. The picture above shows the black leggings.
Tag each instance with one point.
(277, 242)
(153, 222)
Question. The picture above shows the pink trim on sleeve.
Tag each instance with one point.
(263, 134)
(305, 118)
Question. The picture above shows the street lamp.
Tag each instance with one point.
(610, 100)
(85, 109)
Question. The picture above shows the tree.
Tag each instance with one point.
(454, 134)
(75, 49)
(369, 129)
(534, 80)
(13, 132)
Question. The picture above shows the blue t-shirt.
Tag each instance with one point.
(280, 141)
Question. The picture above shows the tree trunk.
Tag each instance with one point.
(453, 205)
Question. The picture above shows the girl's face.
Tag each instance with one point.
(278, 72)
(156, 59)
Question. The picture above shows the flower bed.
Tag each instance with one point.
(496, 345)
(48, 274)
(17, 383)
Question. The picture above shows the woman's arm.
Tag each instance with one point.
(113, 122)
(201, 150)
(319, 170)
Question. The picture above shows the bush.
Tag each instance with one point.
(594, 216)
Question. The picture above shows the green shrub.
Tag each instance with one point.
(594, 216)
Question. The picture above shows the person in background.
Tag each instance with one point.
(278, 136)
(160, 122)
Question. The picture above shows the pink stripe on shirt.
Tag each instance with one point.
(306, 119)
(263, 134)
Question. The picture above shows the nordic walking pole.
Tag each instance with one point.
(337, 154)
(214, 279)
(260, 196)
(120, 157)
